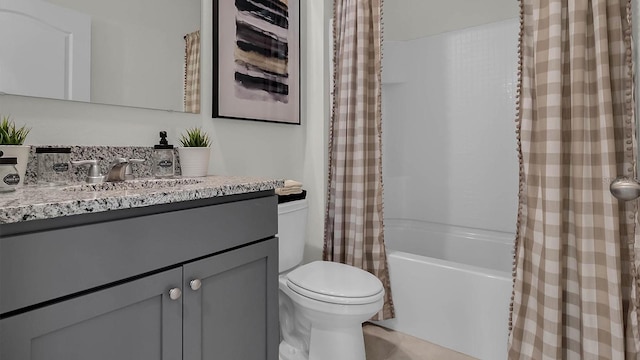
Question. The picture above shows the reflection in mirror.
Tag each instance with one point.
(140, 53)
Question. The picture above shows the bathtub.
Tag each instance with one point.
(451, 286)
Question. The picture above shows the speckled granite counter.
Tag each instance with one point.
(34, 202)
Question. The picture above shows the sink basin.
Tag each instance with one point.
(133, 184)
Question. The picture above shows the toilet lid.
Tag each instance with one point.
(336, 283)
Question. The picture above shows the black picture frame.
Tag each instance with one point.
(256, 60)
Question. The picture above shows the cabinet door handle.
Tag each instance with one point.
(175, 293)
(195, 284)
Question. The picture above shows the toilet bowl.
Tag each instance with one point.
(322, 304)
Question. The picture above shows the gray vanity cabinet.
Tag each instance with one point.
(228, 300)
(135, 320)
(193, 280)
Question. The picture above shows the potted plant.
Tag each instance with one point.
(194, 152)
(12, 144)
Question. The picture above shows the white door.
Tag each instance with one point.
(45, 50)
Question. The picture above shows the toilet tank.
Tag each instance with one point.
(292, 227)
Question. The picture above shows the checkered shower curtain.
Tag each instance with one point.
(353, 222)
(192, 73)
(575, 280)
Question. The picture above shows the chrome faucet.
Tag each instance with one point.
(93, 175)
(119, 170)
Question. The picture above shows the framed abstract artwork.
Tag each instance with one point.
(256, 60)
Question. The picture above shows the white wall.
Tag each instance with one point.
(239, 147)
(316, 108)
(449, 112)
(412, 19)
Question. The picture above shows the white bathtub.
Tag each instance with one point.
(451, 286)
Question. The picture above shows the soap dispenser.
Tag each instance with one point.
(163, 158)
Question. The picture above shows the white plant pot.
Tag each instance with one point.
(21, 152)
(194, 161)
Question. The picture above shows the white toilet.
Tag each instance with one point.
(322, 304)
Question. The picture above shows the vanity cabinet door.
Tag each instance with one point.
(136, 320)
(231, 311)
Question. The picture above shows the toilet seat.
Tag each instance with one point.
(335, 283)
(335, 299)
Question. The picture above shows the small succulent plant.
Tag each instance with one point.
(195, 137)
(10, 134)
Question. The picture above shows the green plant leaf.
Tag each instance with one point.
(195, 137)
(10, 135)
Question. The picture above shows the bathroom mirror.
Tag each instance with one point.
(117, 52)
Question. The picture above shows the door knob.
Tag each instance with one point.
(175, 293)
(195, 284)
(624, 188)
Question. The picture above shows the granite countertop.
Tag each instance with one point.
(45, 202)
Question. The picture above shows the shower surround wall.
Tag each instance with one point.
(451, 178)
(449, 122)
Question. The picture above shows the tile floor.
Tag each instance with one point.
(384, 344)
